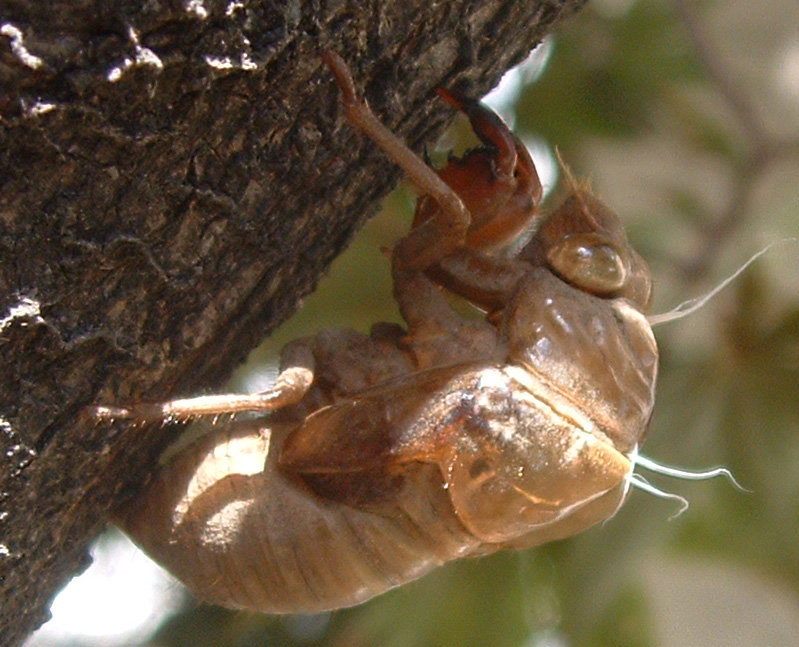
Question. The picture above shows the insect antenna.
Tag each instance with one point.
(692, 305)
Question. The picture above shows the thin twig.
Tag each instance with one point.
(761, 149)
(739, 102)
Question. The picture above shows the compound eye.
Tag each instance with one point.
(588, 261)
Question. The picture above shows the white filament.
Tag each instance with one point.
(692, 305)
(637, 460)
(636, 480)
(687, 475)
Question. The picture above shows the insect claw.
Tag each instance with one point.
(343, 76)
(426, 156)
(453, 99)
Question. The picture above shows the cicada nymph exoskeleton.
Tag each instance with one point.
(384, 455)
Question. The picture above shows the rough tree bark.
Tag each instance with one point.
(174, 177)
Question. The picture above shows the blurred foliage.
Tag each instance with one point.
(606, 75)
(730, 395)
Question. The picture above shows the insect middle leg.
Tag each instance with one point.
(437, 334)
(295, 378)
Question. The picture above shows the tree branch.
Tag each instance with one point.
(174, 177)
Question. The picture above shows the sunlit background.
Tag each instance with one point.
(685, 115)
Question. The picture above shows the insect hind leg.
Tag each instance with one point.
(292, 383)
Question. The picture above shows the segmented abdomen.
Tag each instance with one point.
(248, 536)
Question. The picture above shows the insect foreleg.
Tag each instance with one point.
(430, 242)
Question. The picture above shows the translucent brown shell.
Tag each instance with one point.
(385, 455)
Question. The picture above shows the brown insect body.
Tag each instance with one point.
(386, 455)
